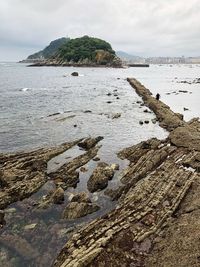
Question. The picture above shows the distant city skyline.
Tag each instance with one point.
(139, 27)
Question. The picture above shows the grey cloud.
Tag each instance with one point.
(140, 27)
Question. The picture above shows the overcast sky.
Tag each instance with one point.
(139, 27)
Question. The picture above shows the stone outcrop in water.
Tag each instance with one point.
(90, 142)
(158, 199)
(19, 246)
(100, 177)
(79, 206)
(67, 175)
(76, 210)
(24, 173)
(161, 174)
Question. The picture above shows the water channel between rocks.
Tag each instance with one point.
(44, 229)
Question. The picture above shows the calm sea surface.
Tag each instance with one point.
(30, 95)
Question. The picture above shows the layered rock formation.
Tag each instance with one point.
(160, 176)
(156, 219)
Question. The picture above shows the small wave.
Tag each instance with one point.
(25, 89)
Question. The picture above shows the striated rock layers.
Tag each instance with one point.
(159, 195)
(23, 173)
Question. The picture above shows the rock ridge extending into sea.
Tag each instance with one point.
(156, 219)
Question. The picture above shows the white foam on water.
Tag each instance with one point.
(25, 89)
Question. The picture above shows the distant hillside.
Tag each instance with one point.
(50, 50)
(83, 51)
(129, 58)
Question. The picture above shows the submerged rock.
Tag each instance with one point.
(90, 142)
(100, 177)
(19, 245)
(74, 73)
(30, 226)
(58, 196)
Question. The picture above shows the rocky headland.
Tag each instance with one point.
(80, 52)
(155, 219)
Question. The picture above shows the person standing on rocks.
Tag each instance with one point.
(157, 96)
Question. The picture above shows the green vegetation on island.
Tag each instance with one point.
(83, 51)
(86, 48)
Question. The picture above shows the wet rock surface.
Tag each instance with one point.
(90, 142)
(33, 229)
(158, 195)
(100, 177)
(79, 209)
(157, 189)
(22, 174)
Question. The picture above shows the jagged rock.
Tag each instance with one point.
(68, 174)
(193, 163)
(146, 111)
(100, 177)
(186, 137)
(74, 73)
(23, 173)
(143, 209)
(81, 197)
(183, 91)
(179, 115)
(116, 116)
(115, 166)
(96, 158)
(58, 196)
(90, 142)
(156, 183)
(79, 209)
(87, 111)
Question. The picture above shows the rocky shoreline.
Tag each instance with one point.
(159, 193)
(159, 187)
(77, 65)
